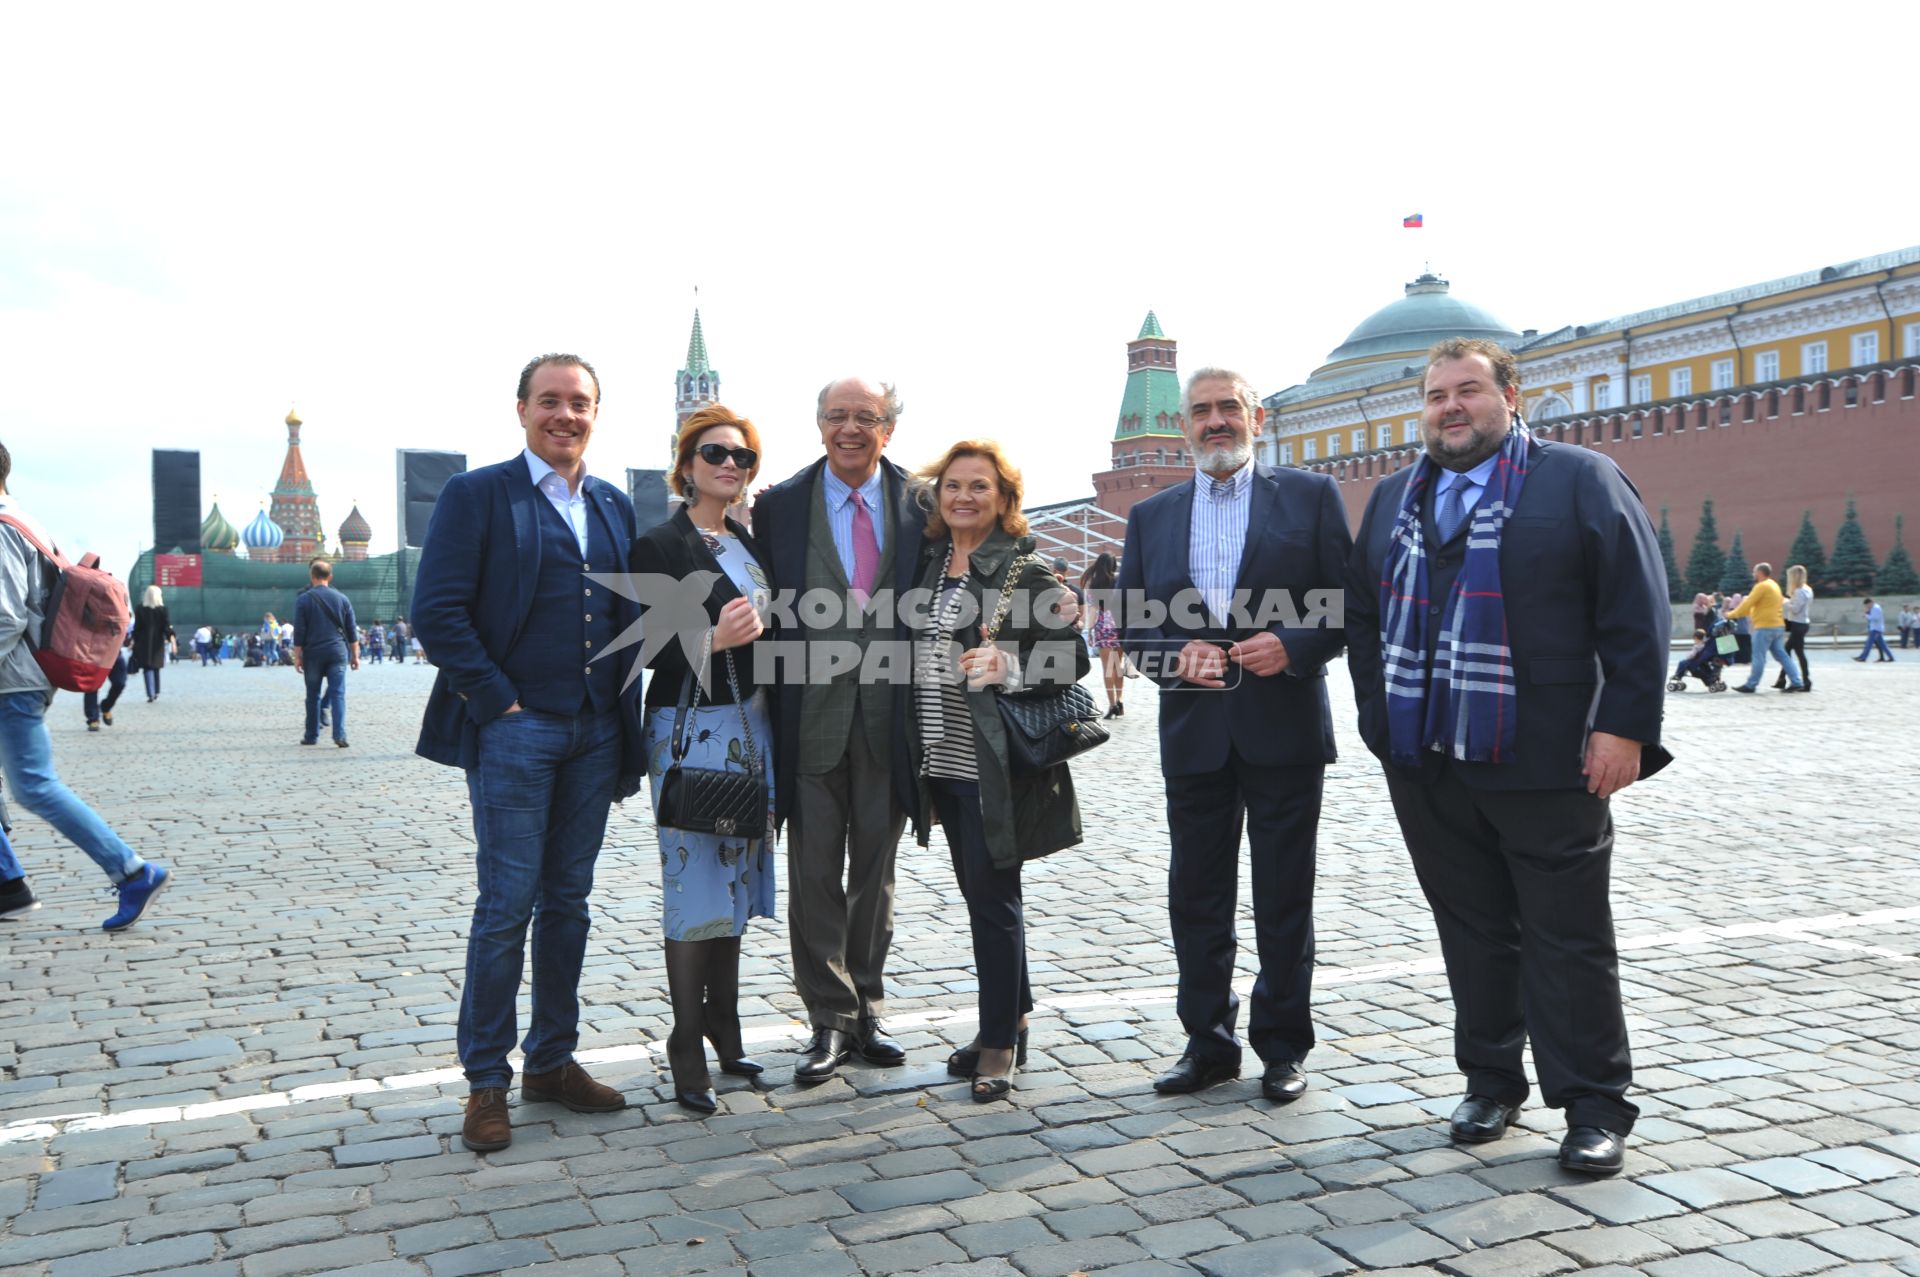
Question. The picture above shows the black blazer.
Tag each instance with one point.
(675, 548)
(781, 519)
(1587, 619)
(1297, 542)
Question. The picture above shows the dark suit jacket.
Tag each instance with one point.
(1297, 541)
(782, 518)
(1587, 618)
(474, 589)
(675, 549)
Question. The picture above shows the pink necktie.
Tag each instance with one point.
(866, 550)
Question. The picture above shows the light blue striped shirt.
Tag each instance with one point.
(840, 516)
(1471, 484)
(1218, 535)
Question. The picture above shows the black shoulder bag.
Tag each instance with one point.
(706, 800)
(1047, 726)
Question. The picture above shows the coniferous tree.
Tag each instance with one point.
(1706, 560)
(1807, 553)
(1676, 585)
(1896, 575)
(1850, 570)
(1737, 576)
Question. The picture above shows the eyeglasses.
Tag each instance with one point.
(865, 420)
(716, 454)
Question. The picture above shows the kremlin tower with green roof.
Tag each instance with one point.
(1149, 440)
(696, 385)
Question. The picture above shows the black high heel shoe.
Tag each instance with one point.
(963, 1062)
(985, 1089)
(687, 1066)
(734, 1059)
(1111, 711)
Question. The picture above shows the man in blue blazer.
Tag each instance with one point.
(1507, 620)
(1229, 596)
(527, 702)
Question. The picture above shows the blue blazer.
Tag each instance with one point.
(473, 592)
(1587, 619)
(781, 519)
(1297, 541)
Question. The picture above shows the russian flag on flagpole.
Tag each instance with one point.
(1414, 221)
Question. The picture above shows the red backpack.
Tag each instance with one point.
(87, 617)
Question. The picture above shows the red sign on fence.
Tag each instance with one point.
(170, 570)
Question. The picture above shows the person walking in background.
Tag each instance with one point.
(376, 642)
(1098, 582)
(964, 656)
(846, 525)
(1799, 618)
(1763, 609)
(99, 709)
(712, 884)
(326, 644)
(270, 639)
(1908, 619)
(1703, 612)
(26, 748)
(1876, 632)
(203, 644)
(150, 631)
(1742, 628)
(528, 702)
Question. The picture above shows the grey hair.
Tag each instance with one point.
(1242, 388)
(889, 394)
(151, 597)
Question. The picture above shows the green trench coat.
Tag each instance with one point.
(1024, 817)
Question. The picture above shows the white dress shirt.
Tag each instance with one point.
(570, 502)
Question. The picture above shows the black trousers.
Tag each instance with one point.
(1279, 808)
(994, 911)
(1519, 885)
(92, 705)
(1797, 647)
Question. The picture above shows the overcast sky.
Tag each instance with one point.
(377, 213)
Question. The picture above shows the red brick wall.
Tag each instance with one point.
(1118, 491)
(1786, 450)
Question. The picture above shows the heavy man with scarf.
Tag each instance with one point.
(1507, 622)
(1234, 562)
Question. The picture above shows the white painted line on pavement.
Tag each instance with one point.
(1804, 930)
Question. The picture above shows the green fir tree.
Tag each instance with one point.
(1706, 560)
(1807, 553)
(1737, 576)
(1850, 570)
(1896, 575)
(1676, 585)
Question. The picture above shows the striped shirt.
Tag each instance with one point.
(840, 516)
(939, 693)
(1218, 535)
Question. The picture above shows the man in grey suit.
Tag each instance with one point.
(845, 526)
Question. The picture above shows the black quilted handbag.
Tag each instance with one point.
(705, 800)
(1047, 728)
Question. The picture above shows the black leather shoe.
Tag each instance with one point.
(1480, 1120)
(965, 1061)
(1283, 1082)
(875, 1047)
(745, 1066)
(827, 1051)
(1193, 1074)
(1588, 1150)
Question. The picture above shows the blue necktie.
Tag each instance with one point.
(1452, 509)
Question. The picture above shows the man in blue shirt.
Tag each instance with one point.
(326, 645)
(1876, 632)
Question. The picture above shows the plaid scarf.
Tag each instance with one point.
(1466, 709)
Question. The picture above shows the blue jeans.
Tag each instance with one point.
(1771, 640)
(334, 670)
(1876, 639)
(540, 800)
(26, 752)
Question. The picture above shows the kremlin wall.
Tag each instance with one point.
(1776, 400)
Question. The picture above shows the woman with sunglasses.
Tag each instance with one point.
(711, 884)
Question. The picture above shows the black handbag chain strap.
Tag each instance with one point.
(689, 695)
(1006, 592)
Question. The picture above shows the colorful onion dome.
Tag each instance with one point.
(216, 533)
(263, 533)
(356, 530)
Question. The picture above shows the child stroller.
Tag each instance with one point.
(1707, 659)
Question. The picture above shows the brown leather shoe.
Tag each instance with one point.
(487, 1128)
(570, 1085)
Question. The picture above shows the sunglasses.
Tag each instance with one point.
(716, 454)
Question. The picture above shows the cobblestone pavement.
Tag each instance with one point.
(259, 1078)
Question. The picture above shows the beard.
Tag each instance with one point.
(1223, 458)
(1484, 440)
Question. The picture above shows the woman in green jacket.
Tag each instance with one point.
(977, 552)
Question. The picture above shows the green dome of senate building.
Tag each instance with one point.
(1402, 331)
